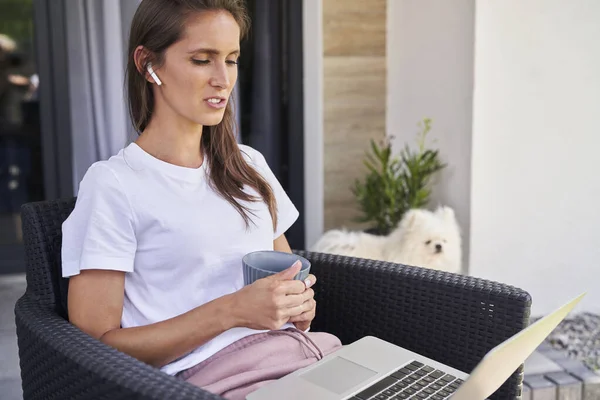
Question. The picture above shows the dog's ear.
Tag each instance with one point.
(446, 213)
(408, 220)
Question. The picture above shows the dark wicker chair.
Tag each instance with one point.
(450, 318)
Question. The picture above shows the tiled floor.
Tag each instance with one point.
(11, 288)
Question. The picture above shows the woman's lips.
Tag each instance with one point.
(216, 102)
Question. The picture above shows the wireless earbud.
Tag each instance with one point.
(153, 74)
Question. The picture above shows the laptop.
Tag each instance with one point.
(371, 368)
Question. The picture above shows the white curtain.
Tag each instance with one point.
(97, 42)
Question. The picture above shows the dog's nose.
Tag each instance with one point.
(438, 247)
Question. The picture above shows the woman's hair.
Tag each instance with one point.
(158, 24)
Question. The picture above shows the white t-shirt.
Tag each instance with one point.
(178, 241)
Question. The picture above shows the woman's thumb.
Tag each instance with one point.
(288, 273)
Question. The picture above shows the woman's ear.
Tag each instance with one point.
(141, 58)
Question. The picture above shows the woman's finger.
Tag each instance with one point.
(291, 287)
(294, 300)
(307, 308)
(310, 280)
(304, 317)
(303, 326)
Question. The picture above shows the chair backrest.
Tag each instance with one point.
(42, 236)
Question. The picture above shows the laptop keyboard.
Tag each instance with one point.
(413, 381)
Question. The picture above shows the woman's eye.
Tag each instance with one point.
(205, 62)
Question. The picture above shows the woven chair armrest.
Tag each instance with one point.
(76, 366)
(451, 318)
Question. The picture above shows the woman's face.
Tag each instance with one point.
(200, 71)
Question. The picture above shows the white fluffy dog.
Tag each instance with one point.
(423, 238)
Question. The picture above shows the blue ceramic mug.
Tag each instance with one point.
(260, 264)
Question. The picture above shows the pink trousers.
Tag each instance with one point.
(256, 360)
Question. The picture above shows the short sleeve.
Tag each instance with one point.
(99, 233)
(287, 213)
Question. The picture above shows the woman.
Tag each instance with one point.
(154, 245)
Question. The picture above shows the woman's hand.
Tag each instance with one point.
(304, 320)
(271, 302)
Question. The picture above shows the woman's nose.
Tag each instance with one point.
(220, 77)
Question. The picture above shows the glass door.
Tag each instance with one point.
(21, 170)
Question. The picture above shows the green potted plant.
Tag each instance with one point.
(395, 184)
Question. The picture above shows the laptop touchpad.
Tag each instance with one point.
(338, 375)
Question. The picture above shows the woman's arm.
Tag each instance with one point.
(281, 244)
(95, 305)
